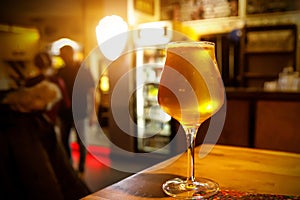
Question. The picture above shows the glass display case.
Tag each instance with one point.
(154, 126)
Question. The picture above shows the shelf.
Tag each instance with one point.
(260, 52)
(151, 149)
(265, 51)
(260, 76)
(162, 133)
(157, 120)
(271, 27)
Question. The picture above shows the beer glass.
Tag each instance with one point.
(191, 90)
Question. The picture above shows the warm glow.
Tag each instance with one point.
(104, 84)
(57, 62)
(130, 13)
(18, 43)
(112, 27)
(62, 42)
(34, 33)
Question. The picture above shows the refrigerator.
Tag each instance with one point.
(153, 133)
(153, 125)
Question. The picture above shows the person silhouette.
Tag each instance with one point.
(69, 73)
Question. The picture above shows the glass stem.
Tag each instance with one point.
(191, 136)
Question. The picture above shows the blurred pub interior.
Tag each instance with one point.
(257, 48)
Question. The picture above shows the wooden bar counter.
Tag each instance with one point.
(234, 168)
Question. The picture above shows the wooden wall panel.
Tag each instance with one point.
(278, 125)
(236, 128)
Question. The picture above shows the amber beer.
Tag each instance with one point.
(188, 90)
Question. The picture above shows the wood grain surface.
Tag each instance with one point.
(234, 168)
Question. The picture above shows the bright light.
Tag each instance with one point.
(109, 27)
(62, 42)
(104, 84)
(209, 107)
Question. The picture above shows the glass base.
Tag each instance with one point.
(199, 189)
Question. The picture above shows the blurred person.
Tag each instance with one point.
(44, 62)
(68, 73)
(33, 163)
